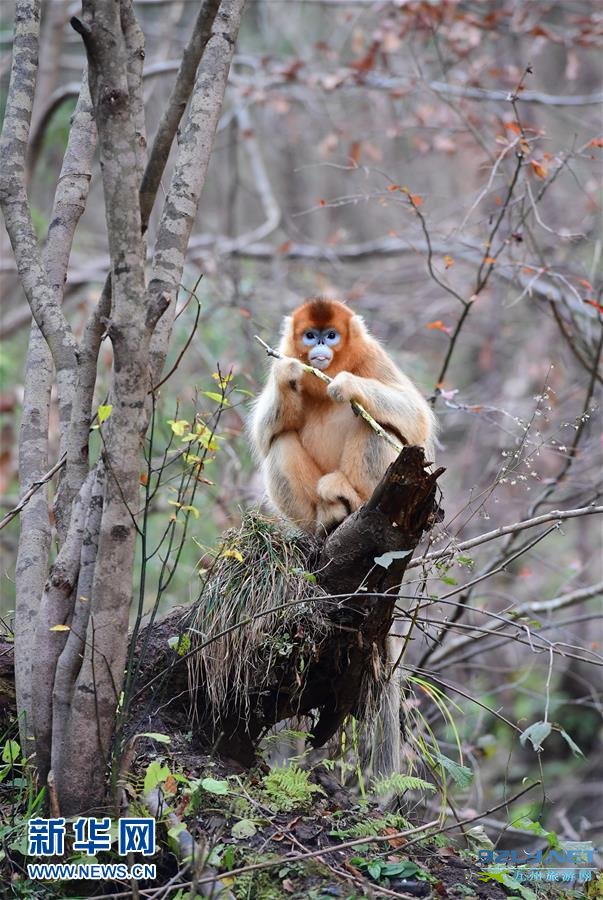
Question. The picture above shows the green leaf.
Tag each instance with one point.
(245, 828)
(374, 870)
(181, 643)
(404, 869)
(104, 412)
(448, 579)
(217, 397)
(536, 734)
(155, 774)
(519, 889)
(527, 824)
(11, 751)
(461, 775)
(173, 836)
(214, 786)
(571, 744)
(228, 858)
(179, 427)
(156, 736)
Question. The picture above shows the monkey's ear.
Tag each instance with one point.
(287, 326)
(357, 326)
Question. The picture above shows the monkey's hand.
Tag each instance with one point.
(344, 387)
(288, 373)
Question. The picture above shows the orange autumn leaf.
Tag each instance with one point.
(594, 303)
(448, 261)
(322, 202)
(513, 126)
(525, 147)
(143, 478)
(538, 169)
(585, 283)
(393, 187)
(596, 142)
(437, 325)
(395, 842)
(284, 247)
(355, 152)
(169, 786)
(415, 199)
(489, 260)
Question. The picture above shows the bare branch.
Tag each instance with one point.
(556, 515)
(101, 673)
(572, 598)
(175, 107)
(13, 196)
(190, 170)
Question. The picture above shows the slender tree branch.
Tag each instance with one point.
(556, 515)
(175, 106)
(13, 200)
(190, 170)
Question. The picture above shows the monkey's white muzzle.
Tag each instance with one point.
(320, 357)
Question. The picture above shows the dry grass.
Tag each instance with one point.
(260, 567)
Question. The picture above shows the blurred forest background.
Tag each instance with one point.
(437, 165)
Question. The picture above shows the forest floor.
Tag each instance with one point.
(299, 834)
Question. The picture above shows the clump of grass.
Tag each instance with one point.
(258, 602)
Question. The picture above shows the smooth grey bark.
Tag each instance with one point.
(176, 105)
(34, 539)
(44, 289)
(54, 19)
(79, 668)
(70, 660)
(44, 305)
(190, 171)
(98, 684)
(55, 614)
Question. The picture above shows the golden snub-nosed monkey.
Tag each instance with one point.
(321, 461)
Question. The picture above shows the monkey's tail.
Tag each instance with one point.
(386, 756)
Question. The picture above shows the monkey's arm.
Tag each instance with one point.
(279, 407)
(398, 407)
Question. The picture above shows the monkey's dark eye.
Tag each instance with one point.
(309, 337)
(332, 335)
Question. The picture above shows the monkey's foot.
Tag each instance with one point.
(337, 499)
(329, 516)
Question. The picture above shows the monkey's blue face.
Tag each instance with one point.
(321, 341)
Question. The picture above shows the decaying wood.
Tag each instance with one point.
(337, 678)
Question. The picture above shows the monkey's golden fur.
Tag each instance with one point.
(321, 462)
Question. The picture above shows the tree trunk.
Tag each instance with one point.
(362, 564)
